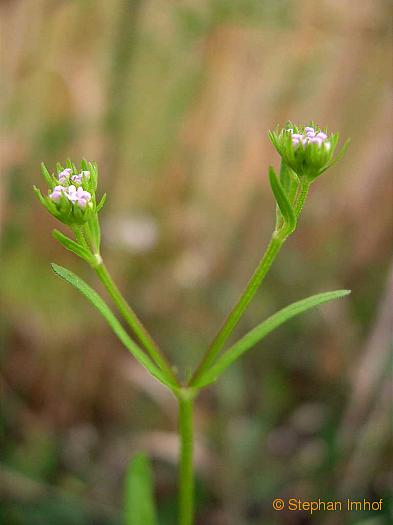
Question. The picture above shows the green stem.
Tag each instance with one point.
(301, 199)
(78, 232)
(236, 313)
(133, 321)
(186, 472)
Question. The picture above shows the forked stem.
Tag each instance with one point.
(237, 311)
(134, 323)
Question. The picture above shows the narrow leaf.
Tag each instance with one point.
(281, 199)
(139, 506)
(73, 246)
(106, 312)
(285, 177)
(267, 326)
(289, 181)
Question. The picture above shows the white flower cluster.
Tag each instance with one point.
(310, 136)
(75, 195)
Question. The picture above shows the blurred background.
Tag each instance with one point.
(174, 99)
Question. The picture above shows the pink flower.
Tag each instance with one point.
(80, 176)
(322, 135)
(64, 175)
(78, 196)
(56, 193)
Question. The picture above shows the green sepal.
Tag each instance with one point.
(73, 246)
(49, 179)
(282, 200)
(139, 508)
(339, 156)
(41, 198)
(108, 315)
(101, 203)
(264, 328)
(71, 166)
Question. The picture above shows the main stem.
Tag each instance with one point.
(236, 313)
(133, 321)
(186, 474)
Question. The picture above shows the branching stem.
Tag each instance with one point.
(134, 323)
(237, 311)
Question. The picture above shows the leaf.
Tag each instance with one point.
(139, 506)
(285, 177)
(282, 200)
(258, 333)
(106, 312)
(289, 181)
(73, 246)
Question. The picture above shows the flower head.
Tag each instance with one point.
(71, 197)
(308, 150)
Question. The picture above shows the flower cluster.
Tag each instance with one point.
(308, 151)
(77, 196)
(71, 196)
(309, 136)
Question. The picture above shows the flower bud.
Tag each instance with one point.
(308, 151)
(71, 196)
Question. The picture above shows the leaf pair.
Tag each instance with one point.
(73, 246)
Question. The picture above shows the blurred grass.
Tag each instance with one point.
(173, 99)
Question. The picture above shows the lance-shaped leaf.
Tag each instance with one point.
(289, 181)
(106, 312)
(282, 200)
(139, 506)
(73, 246)
(258, 333)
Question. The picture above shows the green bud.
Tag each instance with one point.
(71, 196)
(307, 150)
